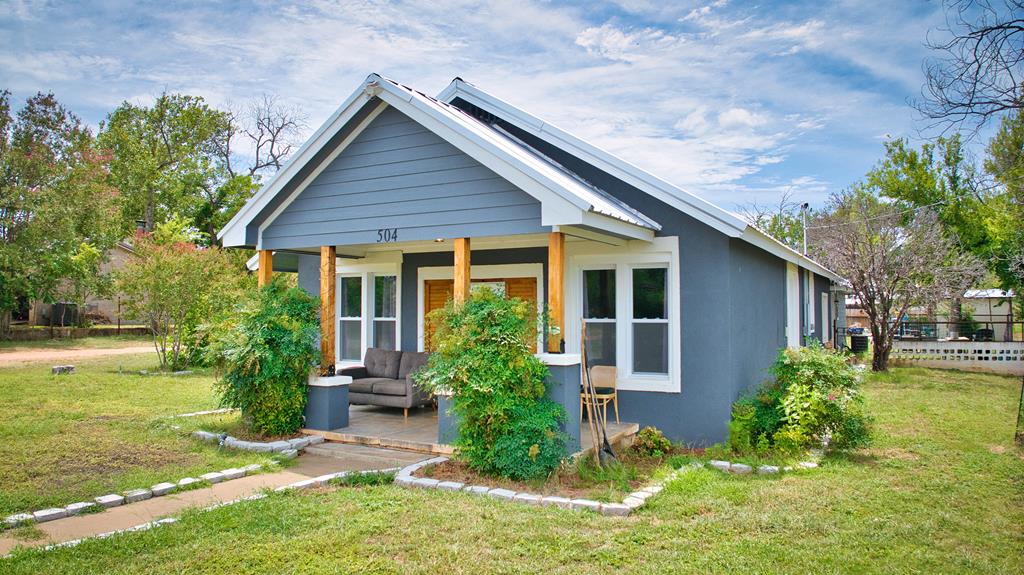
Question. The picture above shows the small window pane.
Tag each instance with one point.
(599, 294)
(650, 348)
(649, 287)
(384, 296)
(351, 339)
(601, 343)
(384, 334)
(351, 297)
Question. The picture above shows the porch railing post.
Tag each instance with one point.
(462, 272)
(327, 324)
(556, 290)
(266, 270)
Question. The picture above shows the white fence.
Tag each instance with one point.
(988, 356)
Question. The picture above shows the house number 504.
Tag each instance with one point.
(387, 235)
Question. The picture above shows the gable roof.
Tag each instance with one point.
(690, 204)
(565, 199)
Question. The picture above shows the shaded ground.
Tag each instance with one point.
(14, 356)
(940, 492)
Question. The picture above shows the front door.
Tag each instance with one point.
(437, 292)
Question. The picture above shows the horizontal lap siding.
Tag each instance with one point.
(397, 175)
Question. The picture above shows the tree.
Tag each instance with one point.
(1004, 216)
(82, 278)
(783, 221)
(978, 74)
(895, 258)
(54, 196)
(174, 285)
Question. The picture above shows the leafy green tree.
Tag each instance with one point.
(783, 221)
(54, 195)
(1004, 217)
(82, 277)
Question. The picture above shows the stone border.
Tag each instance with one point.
(207, 412)
(630, 503)
(744, 469)
(104, 502)
(289, 448)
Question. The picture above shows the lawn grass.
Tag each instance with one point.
(940, 492)
(98, 342)
(103, 429)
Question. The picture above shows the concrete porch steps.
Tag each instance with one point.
(370, 457)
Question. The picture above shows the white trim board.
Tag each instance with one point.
(482, 272)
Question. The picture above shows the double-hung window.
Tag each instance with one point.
(599, 315)
(649, 320)
(351, 318)
(385, 317)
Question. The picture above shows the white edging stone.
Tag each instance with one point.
(279, 446)
(163, 488)
(137, 495)
(19, 519)
(44, 515)
(80, 507)
(740, 469)
(232, 473)
(108, 501)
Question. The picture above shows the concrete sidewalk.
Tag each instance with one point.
(133, 514)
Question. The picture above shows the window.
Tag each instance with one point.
(599, 315)
(650, 320)
(385, 318)
(351, 318)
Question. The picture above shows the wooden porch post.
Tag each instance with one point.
(462, 277)
(266, 269)
(327, 323)
(556, 288)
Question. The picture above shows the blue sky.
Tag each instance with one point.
(734, 101)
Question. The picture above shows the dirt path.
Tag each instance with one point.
(66, 355)
(131, 515)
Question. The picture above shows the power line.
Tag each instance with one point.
(883, 216)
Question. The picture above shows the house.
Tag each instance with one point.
(401, 201)
(98, 310)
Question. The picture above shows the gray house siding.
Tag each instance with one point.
(758, 314)
(821, 286)
(397, 175)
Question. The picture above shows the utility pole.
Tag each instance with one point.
(803, 213)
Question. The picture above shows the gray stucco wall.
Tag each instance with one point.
(758, 314)
(397, 175)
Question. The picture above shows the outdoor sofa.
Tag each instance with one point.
(385, 379)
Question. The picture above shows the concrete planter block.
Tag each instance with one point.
(719, 465)
(44, 515)
(18, 519)
(615, 509)
(187, 481)
(585, 504)
(298, 442)
(76, 508)
(108, 501)
(233, 473)
(499, 493)
(807, 464)
(766, 469)
(450, 485)
(62, 369)
(204, 435)
(305, 484)
(426, 482)
(741, 469)
(632, 502)
(315, 439)
(641, 495)
(555, 501)
(476, 489)
(528, 498)
(252, 468)
(652, 489)
(257, 447)
(289, 454)
(787, 469)
(278, 445)
(405, 480)
(137, 495)
(163, 488)
(212, 477)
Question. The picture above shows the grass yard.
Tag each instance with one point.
(942, 491)
(103, 429)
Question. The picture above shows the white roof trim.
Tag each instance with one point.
(699, 208)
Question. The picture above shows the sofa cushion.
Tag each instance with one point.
(382, 362)
(389, 387)
(365, 385)
(411, 361)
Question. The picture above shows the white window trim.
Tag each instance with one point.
(487, 272)
(792, 305)
(826, 319)
(662, 251)
(366, 271)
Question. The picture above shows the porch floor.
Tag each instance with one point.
(385, 427)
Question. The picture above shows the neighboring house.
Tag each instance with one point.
(991, 304)
(99, 310)
(420, 197)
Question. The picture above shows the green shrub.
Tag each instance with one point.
(813, 398)
(483, 358)
(266, 354)
(651, 442)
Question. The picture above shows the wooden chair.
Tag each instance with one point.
(603, 377)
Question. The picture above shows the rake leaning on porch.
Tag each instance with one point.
(383, 209)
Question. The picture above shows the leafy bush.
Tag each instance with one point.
(651, 442)
(482, 357)
(266, 355)
(813, 398)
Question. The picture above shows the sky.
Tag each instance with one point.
(737, 102)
